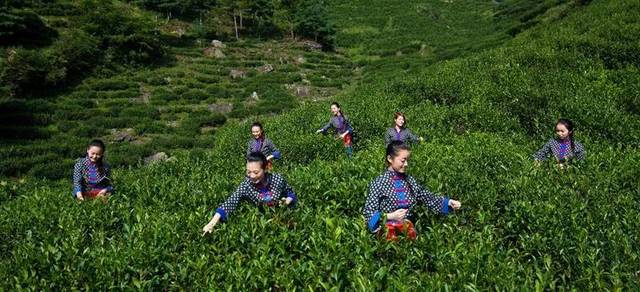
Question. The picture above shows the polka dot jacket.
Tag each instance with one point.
(91, 176)
(383, 198)
(560, 150)
(268, 193)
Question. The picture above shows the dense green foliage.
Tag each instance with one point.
(84, 34)
(483, 114)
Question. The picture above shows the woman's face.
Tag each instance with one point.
(254, 171)
(400, 121)
(256, 132)
(335, 109)
(95, 153)
(562, 131)
(400, 162)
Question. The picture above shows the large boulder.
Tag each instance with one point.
(302, 91)
(223, 108)
(213, 52)
(218, 44)
(300, 60)
(236, 73)
(266, 68)
(179, 31)
(158, 157)
(312, 46)
(126, 135)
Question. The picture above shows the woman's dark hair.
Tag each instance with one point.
(569, 125)
(396, 115)
(258, 157)
(97, 143)
(257, 124)
(394, 148)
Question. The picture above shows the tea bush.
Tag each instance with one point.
(522, 227)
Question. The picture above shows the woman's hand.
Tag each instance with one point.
(286, 201)
(102, 193)
(455, 204)
(397, 215)
(209, 227)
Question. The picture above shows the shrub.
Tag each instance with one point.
(23, 27)
(195, 94)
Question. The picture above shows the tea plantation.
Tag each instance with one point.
(485, 95)
(178, 101)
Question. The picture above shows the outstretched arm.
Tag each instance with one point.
(435, 203)
(543, 153)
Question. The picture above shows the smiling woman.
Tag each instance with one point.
(259, 187)
(394, 195)
(91, 175)
(564, 147)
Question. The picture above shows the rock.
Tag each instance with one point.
(207, 130)
(302, 91)
(218, 44)
(145, 94)
(254, 96)
(265, 68)
(158, 157)
(126, 135)
(179, 31)
(141, 141)
(424, 50)
(235, 74)
(300, 60)
(12, 55)
(312, 46)
(213, 52)
(222, 108)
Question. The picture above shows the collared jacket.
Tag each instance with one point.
(561, 150)
(405, 135)
(89, 176)
(273, 188)
(383, 198)
(263, 145)
(340, 123)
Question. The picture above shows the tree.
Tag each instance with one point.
(261, 16)
(312, 20)
(232, 9)
(284, 15)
